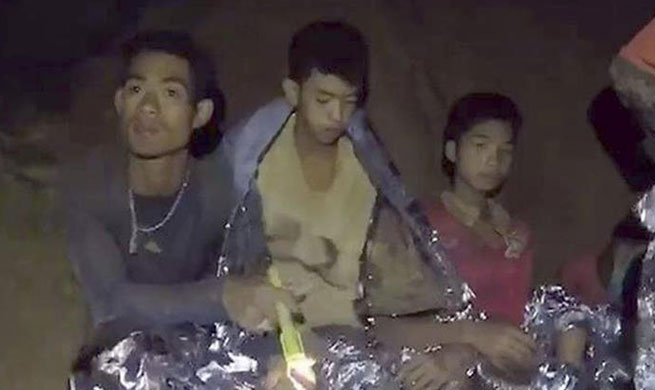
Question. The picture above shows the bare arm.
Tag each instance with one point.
(98, 263)
(504, 345)
(420, 332)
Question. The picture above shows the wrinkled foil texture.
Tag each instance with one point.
(644, 375)
(550, 312)
(210, 359)
(348, 367)
(207, 359)
(198, 359)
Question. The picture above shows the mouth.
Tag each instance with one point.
(145, 128)
(490, 176)
(335, 130)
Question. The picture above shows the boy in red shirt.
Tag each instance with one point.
(491, 250)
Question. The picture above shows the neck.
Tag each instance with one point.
(469, 195)
(308, 146)
(161, 176)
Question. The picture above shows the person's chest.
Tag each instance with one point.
(295, 211)
(500, 280)
(180, 250)
(481, 264)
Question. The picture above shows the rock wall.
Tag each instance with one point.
(551, 57)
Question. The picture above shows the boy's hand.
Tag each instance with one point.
(504, 346)
(571, 347)
(444, 369)
(250, 302)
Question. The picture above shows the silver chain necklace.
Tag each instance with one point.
(136, 229)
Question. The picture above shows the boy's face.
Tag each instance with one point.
(484, 155)
(324, 104)
(155, 105)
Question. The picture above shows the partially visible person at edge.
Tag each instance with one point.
(311, 176)
(599, 279)
(633, 76)
(145, 223)
(490, 249)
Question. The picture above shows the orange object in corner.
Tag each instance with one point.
(641, 49)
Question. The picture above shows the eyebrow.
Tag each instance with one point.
(133, 76)
(178, 80)
(324, 92)
(170, 79)
(483, 136)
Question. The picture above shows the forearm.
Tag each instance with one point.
(98, 263)
(198, 302)
(421, 332)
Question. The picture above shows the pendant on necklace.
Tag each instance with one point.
(152, 246)
(514, 245)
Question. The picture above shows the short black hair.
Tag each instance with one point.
(331, 47)
(475, 108)
(203, 73)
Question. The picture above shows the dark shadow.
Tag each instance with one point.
(622, 138)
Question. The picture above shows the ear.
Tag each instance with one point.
(451, 151)
(118, 101)
(204, 111)
(291, 91)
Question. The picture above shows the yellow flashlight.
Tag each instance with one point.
(291, 341)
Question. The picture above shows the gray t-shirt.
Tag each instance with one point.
(171, 278)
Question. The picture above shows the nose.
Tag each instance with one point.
(493, 157)
(149, 104)
(337, 112)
